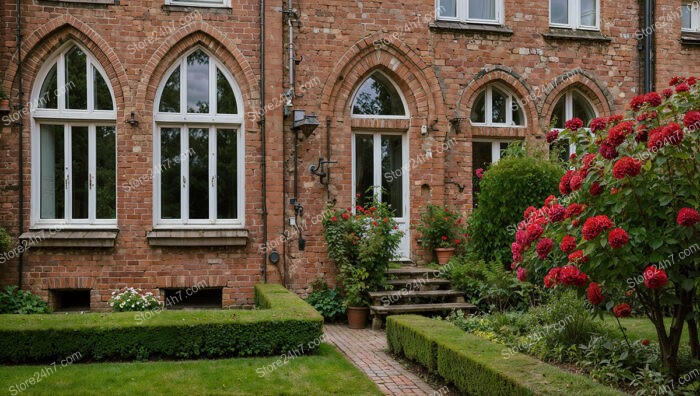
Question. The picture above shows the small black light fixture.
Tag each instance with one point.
(319, 170)
(132, 120)
(307, 124)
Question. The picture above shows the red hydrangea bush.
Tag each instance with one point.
(629, 203)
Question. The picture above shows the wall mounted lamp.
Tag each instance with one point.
(307, 124)
(132, 120)
(456, 123)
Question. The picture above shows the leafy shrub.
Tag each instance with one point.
(5, 240)
(132, 300)
(441, 228)
(507, 189)
(14, 301)
(328, 302)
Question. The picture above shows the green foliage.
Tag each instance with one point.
(286, 323)
(441, 228)
(362, 244)
(490, 287)
(477, 366)
(132, 300)
(328, 302)
(3, 95)
(507, 189)
(14, 301)
(6, 240)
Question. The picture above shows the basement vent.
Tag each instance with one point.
(193, 298)
(71, 300)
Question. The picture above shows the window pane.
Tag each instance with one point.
(199, 173)
(364, 167)
(79, 171)
(582, 109)
(52, 187)
(47, 96)
(225, 99)
(103, 99)
(170, 98)
(378, 96)
(588, 12)
(498, 109)
(392, 163)
(503, 147)
(481, 159)
(169, 169)
(76, 78)
(226, 174)
(198, 82)
(106, 172)
(482, 9)
(559, 11)
(687, 15)
(518, 114)
(479, 109)
(559, 114)
(448, 8)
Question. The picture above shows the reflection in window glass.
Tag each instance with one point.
(103, 98)
(448, 8)
(47, 96)
(80, 172)
(498, 107)
(481, 159)
(170, 98)
(392, 160)
(588, 12)
(52, 187)
(106, 172)
(559, 115)
(378, 96)
(76, 78)
(482, 9)
(225, 99)
(687, 15)
(169, 169)
(559, 11)
(582, 109)
(198, 82)
(364, 168)
(479, 109)
(226, 174)
(199, 173)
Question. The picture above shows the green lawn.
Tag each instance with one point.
(641, 328)
(326, 373)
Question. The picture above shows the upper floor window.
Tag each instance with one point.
(496, 106)
(73, 142)
(691, 16)
(378, 96)
(573, 104)
(473, 11)
(200, 3)
(198, 145)
(574, 14)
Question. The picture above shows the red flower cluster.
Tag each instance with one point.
(653, 99)
(574, 210)
(676, 80)
(618, 238)
(480, 173)
(595, 294)
(655, 278)
(549, 200)
(667, 93)
(521, 274)
(682, 87)
(598, 124)
(552, 136)
(568, 244)
(531, 210)
(578, 257)
(692, 120)
(619, 132)
(626, 166)
(557, 213)
(622, 310)
(570, 275)
(688, 217)
(565, 183)
(534, 232)
(573, 124)
(608, 151)
(544, 247)
(576, 182)
(552, 278)
(596, 189)
(517, 250)
(595, 225)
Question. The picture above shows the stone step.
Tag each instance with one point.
(417, 308)
(412, 271)
(416, 293)
(416, 282)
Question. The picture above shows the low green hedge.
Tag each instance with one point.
(477, 366)
(284, 323)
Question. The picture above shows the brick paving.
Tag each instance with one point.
(366, 349)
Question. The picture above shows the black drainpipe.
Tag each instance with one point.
(328, 158)
(262, 137)
(20, 268)
(649, 52)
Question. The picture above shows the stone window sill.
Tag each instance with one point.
(470, 27)
(212, 9)
(187, 238)
(690, 38)
(86, 2)
(70, 238)
(570, 34)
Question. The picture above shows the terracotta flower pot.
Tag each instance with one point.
(357, 317)
(444, 255)
(4, 105)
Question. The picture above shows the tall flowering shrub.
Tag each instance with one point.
(628, 206)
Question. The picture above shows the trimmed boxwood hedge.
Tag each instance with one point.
(284, 322)
(477, 366)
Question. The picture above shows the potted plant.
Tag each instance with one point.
(4, 100)
(361, 242)
(442, 231)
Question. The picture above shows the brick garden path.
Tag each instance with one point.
(366, 349)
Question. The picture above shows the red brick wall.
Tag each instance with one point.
(439, 71)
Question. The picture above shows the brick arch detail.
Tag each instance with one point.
(417, 80)
(505, 76)
(213, 40)
(43, 42)
(598, 96)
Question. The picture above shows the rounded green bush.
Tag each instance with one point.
(507, 189)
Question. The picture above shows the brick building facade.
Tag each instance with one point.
(444, 70)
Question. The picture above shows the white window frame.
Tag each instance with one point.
(569, 111)
(70, 118)
(511, 104)
(495, 148)
(211, 121)
(575, 17)
(694, 17)
(369, 116)
(200, 3)
(462, 11)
